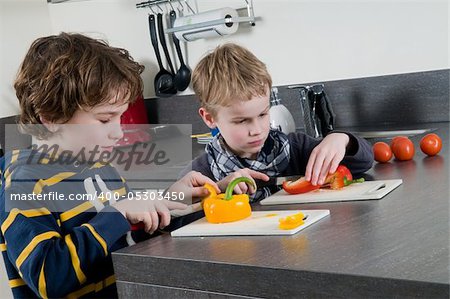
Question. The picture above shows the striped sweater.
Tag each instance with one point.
(59, 248)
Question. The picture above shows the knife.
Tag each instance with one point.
(174, 214)
(276, 181)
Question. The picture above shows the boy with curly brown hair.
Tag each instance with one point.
(72, 91)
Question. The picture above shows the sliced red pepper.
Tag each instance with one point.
(299, 186)
(335, 180)
(340, 178)
(345, 172)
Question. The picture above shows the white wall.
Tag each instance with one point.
(21, 21)
(303, 41)
(300, 41)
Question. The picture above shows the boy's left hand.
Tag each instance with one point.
(192, 185)
(325, 157)
(242, 187)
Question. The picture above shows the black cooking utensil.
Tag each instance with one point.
(183, 75)
(164, 81)
(162, 39)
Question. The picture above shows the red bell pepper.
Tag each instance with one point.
(335, 180)
(340, 178)
(345, 172)
(299, 186)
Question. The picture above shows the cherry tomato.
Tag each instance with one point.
(382, 152)
(395, 139)
(431, 144)
(403, 149)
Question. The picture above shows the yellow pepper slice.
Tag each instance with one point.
(291, 221)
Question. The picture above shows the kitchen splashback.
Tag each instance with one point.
(382, 101)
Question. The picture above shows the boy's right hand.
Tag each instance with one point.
(242, 188)
(153, 214)
(325, 157)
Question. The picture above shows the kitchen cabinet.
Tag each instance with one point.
(394, 247)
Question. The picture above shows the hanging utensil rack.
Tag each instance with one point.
(250, 18)
(158, 2)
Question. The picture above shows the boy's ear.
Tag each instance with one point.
(207, 117)
(52, 127)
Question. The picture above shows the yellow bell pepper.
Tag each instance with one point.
(291, 221)
(226, 207)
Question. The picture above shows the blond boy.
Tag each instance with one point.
(233, 88)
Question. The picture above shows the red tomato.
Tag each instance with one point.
(382, 152)
(395, 139)
(431, 144)
(403, 149)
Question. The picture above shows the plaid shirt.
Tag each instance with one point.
(271, 160)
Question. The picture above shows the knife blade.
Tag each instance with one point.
(277, 181)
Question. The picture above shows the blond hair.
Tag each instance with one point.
(63, 73)
(230, 73)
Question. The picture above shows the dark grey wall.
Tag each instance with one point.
(382, 101)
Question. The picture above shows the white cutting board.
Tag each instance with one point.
(358, 191)
(258, 224)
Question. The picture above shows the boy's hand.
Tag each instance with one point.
(156, 213)
(192, 185)
(325, 157)
(242, 188)
(153, 213)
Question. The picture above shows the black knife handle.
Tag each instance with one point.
(270, 183)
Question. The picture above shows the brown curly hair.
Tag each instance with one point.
(229, 73)
(63, 73)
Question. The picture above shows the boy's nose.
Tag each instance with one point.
(255, 128)
(115, 131)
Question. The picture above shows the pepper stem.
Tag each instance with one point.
(349, 182)
(233, 183)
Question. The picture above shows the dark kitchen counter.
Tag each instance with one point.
(394, 247)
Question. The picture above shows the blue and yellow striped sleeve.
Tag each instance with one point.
(52, 260)
(54, 264)
(46, 255)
